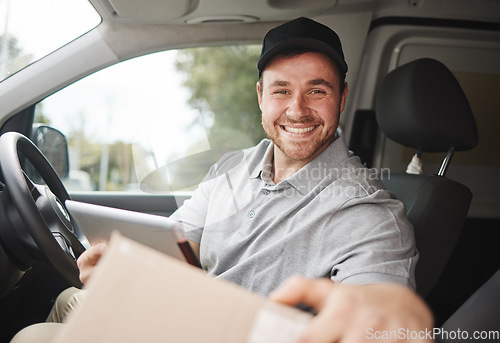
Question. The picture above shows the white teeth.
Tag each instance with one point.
(298, 130)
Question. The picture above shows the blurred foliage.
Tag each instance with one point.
(222, 81)
(119, 161)
(40, 117)
(15, 58)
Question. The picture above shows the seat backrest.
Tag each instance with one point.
(421, 105)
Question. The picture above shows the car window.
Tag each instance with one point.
(31, 29)
(157, 123)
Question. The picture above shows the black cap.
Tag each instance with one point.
(302, 33)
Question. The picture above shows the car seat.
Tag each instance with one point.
(421, 105)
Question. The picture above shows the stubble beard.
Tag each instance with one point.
(299, 151)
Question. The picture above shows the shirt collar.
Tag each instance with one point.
(308, 177)
(264, 169)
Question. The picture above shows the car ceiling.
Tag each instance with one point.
(217, 11)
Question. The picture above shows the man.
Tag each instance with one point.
(300, 203)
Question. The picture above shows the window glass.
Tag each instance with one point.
(158, 122)
(31, 29)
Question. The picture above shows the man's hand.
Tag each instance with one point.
(88, 260)
(365, 313)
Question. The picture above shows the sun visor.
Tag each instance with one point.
(140, 11)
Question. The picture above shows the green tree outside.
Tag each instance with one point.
(222, 82)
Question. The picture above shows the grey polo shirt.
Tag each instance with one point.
(332, 219)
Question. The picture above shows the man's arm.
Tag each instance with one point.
(358, 313)
(89, 258)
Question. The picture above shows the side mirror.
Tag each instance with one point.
(53, 144)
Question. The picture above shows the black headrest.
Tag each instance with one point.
(422, 105)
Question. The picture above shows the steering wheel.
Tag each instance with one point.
(41, 208)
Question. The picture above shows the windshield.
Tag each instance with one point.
(32, 29)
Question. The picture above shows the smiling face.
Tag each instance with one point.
(301, 99)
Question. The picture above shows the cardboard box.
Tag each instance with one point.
(138, 294)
